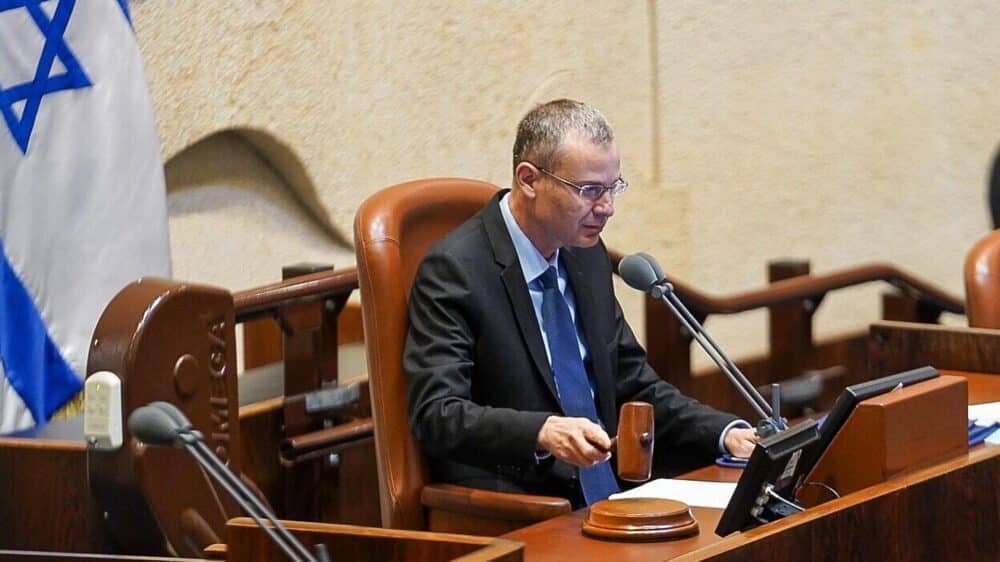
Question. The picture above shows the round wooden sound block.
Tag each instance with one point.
(640, 519)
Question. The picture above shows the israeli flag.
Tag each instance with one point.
(82, 201)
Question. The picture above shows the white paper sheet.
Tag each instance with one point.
(985, 414)
(691, 492)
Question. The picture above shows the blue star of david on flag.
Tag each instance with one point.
(31, 93)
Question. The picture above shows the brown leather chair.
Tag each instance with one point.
(982, 282)
(392, 231)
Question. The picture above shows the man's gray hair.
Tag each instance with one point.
(542, 131)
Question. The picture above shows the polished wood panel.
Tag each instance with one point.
(247, 543)
(37, 556)
(45, 499)
(983, 388)
(950, 511)
(899, 346)
(947, 511)
(878, 440)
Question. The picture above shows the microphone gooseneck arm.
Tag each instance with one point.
(249, 502)
(642, 272)
(665, 292)
(162, 423)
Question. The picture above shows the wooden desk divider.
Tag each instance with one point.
(900, 346)
(246, 542)
(892, 434)
(172, 341)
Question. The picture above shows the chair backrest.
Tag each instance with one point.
(982, 282)
(393, 230)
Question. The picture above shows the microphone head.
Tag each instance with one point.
(660, 276)
(638, 271)
(175, 413)
(153, 426)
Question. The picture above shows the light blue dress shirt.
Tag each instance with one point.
(534, 264)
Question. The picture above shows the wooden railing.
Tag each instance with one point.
(791, 299)
(302, 289)
(297, 322)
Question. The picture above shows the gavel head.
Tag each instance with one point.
(635, 441)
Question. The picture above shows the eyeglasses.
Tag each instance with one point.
(590, 191)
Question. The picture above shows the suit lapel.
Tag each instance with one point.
(517, 290)
(589, 319)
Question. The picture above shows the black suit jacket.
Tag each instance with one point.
(478, 377)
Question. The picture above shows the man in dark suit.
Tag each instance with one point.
(517, 354)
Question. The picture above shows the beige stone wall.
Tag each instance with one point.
(841, 132)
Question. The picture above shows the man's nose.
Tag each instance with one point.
(605, 205)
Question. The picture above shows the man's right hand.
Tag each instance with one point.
(577, 441)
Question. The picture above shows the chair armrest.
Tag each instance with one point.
(487, 504)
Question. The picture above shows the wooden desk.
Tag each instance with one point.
(983, 388)
(949, 511)
(45, 502)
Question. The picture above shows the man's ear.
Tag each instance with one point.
(525, 176)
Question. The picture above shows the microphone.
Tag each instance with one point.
(162, 423)
(154, 427)
(638, 272)
(642, 272)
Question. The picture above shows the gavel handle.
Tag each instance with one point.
(611, 449)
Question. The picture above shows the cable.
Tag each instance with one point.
(821, 485)
(769, 490)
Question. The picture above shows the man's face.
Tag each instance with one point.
(562, 216)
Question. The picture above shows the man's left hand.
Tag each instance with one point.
(740, 441)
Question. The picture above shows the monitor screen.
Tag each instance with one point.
(775, 464)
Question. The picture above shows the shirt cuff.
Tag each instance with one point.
(542, 456)
(732, 425)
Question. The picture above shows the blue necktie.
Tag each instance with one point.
(598, 481)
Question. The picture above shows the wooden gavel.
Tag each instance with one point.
(637, 519)
(635, 441)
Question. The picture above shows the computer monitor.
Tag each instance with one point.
(779, 463)
(774, 466)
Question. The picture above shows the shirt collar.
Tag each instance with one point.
(533, 263)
